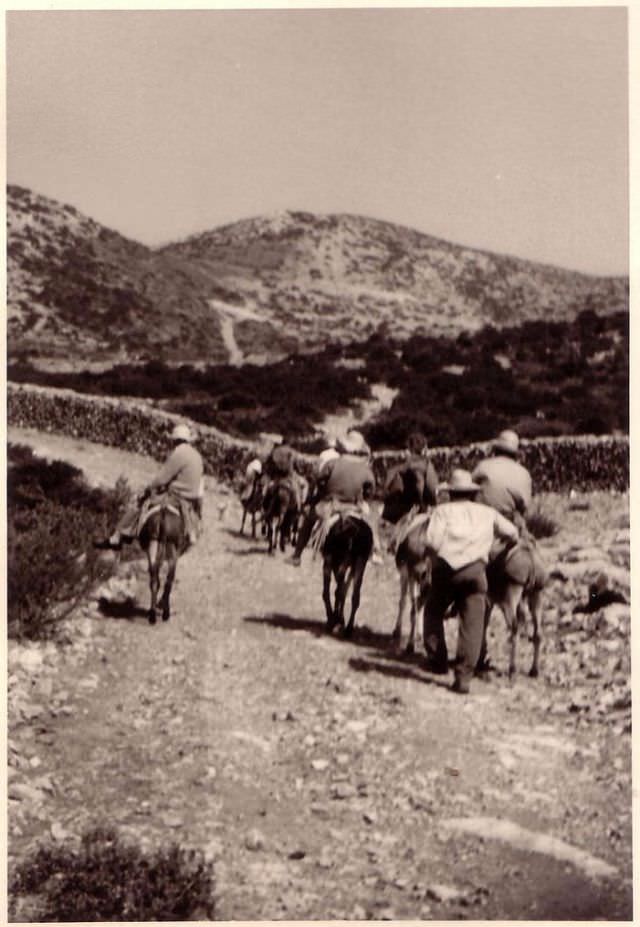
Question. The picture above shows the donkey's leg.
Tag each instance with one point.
(244, 515)
(343, 580)
(326, 592)
(354, 579)
(172, 560)
(403, 570)
(510, 603)
(153, 560)
(535, 610)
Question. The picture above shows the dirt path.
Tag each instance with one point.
(329, 779)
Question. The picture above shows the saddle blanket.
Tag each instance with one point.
(328, 516)
(177, 506)
(413, 519)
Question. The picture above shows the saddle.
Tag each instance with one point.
(155, 503)
(177, 506)
(329, 513)
(522, 564)
(413, 519)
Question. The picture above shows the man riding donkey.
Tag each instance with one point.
(181, 477)
(506, 485)
(460, 534)
(410, 488)
(345, 482)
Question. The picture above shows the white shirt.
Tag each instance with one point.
(254, 468)
(462, 532)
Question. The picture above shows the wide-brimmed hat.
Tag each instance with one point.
(507, 442)
(181, 432)
(353, 443)
(461, 481)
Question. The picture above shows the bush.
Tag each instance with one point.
(540, 524)
(107, 879)
(52, 515)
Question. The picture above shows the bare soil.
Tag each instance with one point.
(322, 775)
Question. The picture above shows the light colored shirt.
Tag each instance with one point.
(254, 468)
(463, 531)
(182, 472)
(505, 485)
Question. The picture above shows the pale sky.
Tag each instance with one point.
(502, 129)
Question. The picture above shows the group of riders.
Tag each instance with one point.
(475, 518)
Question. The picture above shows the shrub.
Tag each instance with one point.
(52, 515)
(540, 524)
(108, 879)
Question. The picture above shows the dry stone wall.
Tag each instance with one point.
(584, 463)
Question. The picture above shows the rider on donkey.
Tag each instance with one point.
(506, 485)
(345, 480)
(182, 477)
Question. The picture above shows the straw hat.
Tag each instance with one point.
(460, 482)
(507, 442)
(181, 432)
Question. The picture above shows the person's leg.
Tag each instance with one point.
(438, 600)
(303, 535)
(470, 586)
(126, 530)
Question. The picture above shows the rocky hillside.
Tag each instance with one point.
(295, 281)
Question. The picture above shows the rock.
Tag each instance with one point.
(27, 659)
(356, 727)
(171, 819)
(58, 832)
(254, 840)
(445, 893)
(22, 791)
(342, 790)
(320, 765)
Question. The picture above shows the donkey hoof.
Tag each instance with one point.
(409, 650)
(533, 672)
(166, 616)
(152, 617)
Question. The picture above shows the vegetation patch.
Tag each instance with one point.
(108, 879)
(52, 515)
(541, 378)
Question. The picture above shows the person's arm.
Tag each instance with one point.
(168, 472)
(435, 533)
(504, 529)
(430, 494)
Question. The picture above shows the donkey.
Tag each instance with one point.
(279, 512)
(345, 552)
(163, 538)
(252, 504)
(403, 504)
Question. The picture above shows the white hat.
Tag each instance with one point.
(507, 442)
(461, 481)
(354, 443)
(181, 432)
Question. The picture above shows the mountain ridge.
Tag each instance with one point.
(80, 293)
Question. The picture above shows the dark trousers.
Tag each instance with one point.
(305, 531)
(467, 589)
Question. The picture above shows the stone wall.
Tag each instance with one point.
(584, 463)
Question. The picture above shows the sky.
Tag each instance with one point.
(503, 129)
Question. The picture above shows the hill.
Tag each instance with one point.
(260, 288)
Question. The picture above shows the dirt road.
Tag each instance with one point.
(328, 779)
